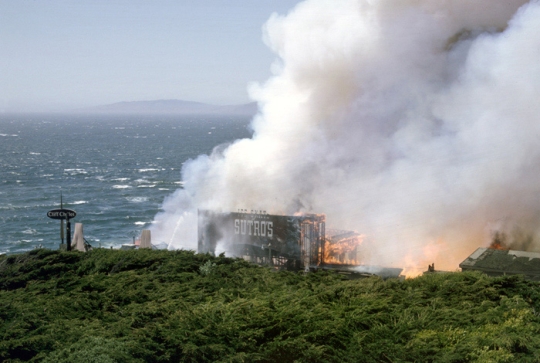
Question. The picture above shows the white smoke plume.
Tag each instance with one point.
(413, 122)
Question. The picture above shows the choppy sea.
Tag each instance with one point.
(113, 171)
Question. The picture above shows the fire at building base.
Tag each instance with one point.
(292, 243)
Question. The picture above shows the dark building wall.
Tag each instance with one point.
(297, 240)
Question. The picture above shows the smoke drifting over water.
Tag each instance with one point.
(413, 122)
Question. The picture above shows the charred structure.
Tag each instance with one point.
(341, 247)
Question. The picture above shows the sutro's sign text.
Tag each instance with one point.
(254, 228)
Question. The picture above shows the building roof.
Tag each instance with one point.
(502, 262)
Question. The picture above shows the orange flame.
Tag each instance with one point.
(415, 264)
(342, 251)
(498, 241)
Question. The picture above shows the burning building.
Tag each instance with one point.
(298, 242)
(341, 247)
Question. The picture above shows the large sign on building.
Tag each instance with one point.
(295, 240)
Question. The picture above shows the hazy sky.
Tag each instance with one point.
(61, 54)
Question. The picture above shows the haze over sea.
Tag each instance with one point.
(114, 171)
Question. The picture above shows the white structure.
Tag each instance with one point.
(77, 243)
(146, 239)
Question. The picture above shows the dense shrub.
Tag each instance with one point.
(178, 306)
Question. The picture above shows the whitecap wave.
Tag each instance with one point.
(137, 199)
(75, 171)
(148, 169)
(121, 186)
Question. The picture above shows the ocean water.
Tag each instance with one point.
(113, 171)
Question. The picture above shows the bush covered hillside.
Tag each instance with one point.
(163, 306)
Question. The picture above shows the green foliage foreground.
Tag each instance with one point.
(164, 306)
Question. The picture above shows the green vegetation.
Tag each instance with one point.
(162, 306)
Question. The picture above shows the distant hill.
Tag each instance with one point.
(172, 107)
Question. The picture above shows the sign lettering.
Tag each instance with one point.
(254, 228)
(61, 214)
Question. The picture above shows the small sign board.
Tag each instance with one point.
(61, 214)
